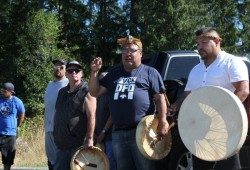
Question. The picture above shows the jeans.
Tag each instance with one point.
(126, 152)
(110, 155)
(63, 159)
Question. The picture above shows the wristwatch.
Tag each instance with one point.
(104, 131)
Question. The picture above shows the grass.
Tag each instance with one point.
(30, 144)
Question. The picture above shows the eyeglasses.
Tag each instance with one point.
(58, 67)
(70, 71)
(131, 50)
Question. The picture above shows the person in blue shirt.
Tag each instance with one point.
(12, 114)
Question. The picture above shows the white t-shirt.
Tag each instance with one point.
(50, 102)
(225, 70)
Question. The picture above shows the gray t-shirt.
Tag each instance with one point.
(50, 97)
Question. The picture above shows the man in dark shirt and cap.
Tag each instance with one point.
(74, 118)
(134, 90)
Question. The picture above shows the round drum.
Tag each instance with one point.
(147, 142)
(212, 123)
(89, 159)
(100, 146)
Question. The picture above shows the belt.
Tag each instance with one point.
(124, 128)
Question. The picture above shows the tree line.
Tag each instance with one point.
(34, 32)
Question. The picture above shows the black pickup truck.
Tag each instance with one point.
(174, 67)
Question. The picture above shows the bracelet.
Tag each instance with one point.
(104, 131)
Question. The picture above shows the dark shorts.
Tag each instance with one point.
(8, 149)
(232, 163)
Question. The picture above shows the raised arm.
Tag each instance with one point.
(95, 89)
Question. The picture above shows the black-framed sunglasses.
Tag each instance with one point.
(70, 71)
(58, 67)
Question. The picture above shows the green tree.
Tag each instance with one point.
(224, 15)
(106, 27)
(10, 22)
(243, 22)
(90, 28)
(169, 24)
(74, 16)
(38, 47)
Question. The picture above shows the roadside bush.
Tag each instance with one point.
(30, 143)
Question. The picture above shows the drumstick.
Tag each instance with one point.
(154, 141)
(77, 162)
(88, 163)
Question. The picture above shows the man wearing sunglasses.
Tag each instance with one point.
(74, 117)
(50, 96)
(134, 90)
(12, 113)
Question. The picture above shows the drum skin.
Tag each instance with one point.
(93, 155)
(212, 123)
(146, 139)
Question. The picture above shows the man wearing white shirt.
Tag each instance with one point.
(50, 97)
(217, 68)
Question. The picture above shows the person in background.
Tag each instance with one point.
(217, 68)
(135, 90)
(103, 127)
(50, 96)
(74, 121)
(12, 114)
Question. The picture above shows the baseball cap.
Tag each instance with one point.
(75, 63)
(130, 40)
(64, 62)
(9, 87)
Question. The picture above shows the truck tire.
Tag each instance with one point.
(180, 159)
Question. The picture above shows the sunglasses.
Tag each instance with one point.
(70, 71)
(131, 50)
(58, 67)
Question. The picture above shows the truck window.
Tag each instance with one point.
(179, 67)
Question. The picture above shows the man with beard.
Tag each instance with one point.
(50, 97)
(217, 68)
(12, 113)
